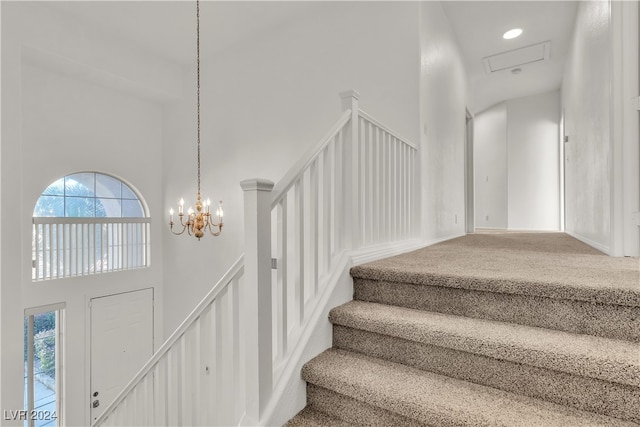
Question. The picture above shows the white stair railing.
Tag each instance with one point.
(196, 376)
(355, 188)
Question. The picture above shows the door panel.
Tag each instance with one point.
(121, 342)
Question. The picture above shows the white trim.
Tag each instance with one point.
(624, 162)
(281, 407)
(372, 120)
(90, 220)
(385, 250)
(44, 308)
(236, 270)
(294, 362)
(284, 185)
(30, 313)
(596, 245)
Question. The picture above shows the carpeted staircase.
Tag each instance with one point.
(486, 330)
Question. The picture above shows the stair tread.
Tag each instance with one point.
(310, 417)
(535, 272)
(435, 399)
(586, 355)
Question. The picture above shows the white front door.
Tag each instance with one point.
(121, 342)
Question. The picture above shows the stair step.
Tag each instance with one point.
(474, 262)
(564, 314)
(434, 399)
(354, 411)
(585, 355)
(547, 364)
(517, 280)
(310, 417)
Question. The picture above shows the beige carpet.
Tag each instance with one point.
(544, 264)
(491, 329)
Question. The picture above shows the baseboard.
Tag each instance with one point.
(373, 253)
(602, 248)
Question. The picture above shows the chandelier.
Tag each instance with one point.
(200, 220)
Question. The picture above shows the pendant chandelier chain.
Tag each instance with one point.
(197, 222)
(198, 81)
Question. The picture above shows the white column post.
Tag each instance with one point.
(256, 296)
(352, 166)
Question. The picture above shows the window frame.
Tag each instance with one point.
(32, 414)
(71, 246)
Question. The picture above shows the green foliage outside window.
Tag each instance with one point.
(41, 322)
(45, 351)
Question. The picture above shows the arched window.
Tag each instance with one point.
(88, 223)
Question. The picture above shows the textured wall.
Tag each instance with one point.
(443, 98)
(534, 162)
(266, 101)
(586, 105)
(517, 164)
(490, 167)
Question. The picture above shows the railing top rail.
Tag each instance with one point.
(372, 120)
(300, 166)
(235, 271)
(91, 220)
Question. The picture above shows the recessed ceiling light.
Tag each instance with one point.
(512, 34)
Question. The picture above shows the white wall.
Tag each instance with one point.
(443, 98)
(533, 162)
(586, 104)
(71, 104)
(517, 165)
(490, 167)
(267, 100)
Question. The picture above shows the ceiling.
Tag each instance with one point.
(167, 29)
(479, 26)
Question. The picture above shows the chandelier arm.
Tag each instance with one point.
(216, 233)
(181, 232)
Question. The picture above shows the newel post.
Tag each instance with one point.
(256, 297)
(351, 167)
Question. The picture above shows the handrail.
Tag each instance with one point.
(374, 121)
(354, 188)
(236, 269)
(284, 185)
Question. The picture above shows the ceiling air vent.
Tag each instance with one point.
(517, 58)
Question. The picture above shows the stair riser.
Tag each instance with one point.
(354, 411)
(603, 397)
(610, 321)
